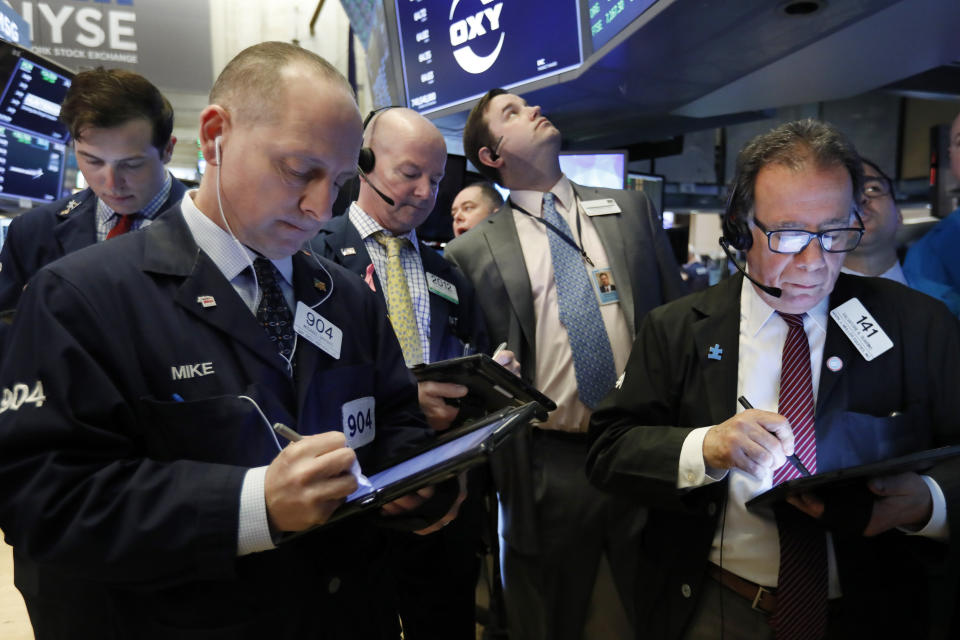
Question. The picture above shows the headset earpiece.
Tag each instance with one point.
(367, 160)
(736, 231)
(216, 145)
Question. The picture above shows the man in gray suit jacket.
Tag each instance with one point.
(561, 536)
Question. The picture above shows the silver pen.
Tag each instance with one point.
(285, 431)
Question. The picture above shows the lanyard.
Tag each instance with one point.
(552, 227)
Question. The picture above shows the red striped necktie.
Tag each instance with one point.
(802, 582)
(123, 224)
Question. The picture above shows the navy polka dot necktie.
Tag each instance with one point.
(273, 314)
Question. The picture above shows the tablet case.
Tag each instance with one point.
(467, 447)
(491, 385)
(842, 481)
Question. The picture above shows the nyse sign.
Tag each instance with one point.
(75, 30)
(167, 41)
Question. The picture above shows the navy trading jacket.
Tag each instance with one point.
(126, 498)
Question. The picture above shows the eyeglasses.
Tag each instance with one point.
(796, 240)
(875, 188)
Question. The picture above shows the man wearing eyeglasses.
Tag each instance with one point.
(672, 435)
(876, 255)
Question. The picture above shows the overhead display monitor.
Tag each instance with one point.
(610, 17)
(33, 141)
(595, 168)
(453, 51)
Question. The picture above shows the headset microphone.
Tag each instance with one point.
(771, 291)
(382, 195)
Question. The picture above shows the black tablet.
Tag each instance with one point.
(831, 481)
(437, 461)
(491, 386)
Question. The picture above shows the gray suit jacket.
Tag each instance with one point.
(490, 255)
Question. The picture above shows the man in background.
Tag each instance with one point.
(876, 255)
(121, 127)
(569, 549)
(473, 204)
(931, 264)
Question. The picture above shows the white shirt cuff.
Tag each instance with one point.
(937, 528)
(254, 530)
(693, 470)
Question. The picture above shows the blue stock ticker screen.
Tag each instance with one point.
(610, 17)
(455, 50)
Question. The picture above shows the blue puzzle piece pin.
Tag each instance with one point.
(715, 352)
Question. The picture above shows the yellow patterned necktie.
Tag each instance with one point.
(399, 302)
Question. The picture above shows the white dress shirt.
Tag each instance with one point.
(554, 374)
(746, 542)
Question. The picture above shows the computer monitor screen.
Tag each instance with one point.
(33, 141)
(651, 184)
(595, 168)
(610, 17)
(454, 51)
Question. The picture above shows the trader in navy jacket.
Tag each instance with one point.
(121, 126)
(142, 478)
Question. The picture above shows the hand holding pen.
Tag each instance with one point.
(792, 458)
(754, 441)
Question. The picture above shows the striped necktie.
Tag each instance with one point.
(802, 583)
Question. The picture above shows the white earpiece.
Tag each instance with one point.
(216, 143)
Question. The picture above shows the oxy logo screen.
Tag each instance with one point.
(455, 50)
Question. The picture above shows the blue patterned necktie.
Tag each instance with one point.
(273, 314)
(579, 313)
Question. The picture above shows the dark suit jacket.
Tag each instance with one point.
(904, 400)
(124, 481)
(41, 235)
(451, 325)
(490, 254)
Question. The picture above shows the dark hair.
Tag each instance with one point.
(252, 81)
(105, 98)
(487, 191)
(476, 135)
(883, 175)
(793, 145)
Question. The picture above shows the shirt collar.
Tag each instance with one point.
(532, 201)
(755, 312)
(366, 226)
(231, 257)
(149, 210)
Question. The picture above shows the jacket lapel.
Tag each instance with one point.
(717, 335)
(347, 248)
(500, 233)
(77, 228)
(836, 344)
(614, 244)
(310, 286)
(440, 312)
(171, 250)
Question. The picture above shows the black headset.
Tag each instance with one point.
(736, 231)
(367, 160)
